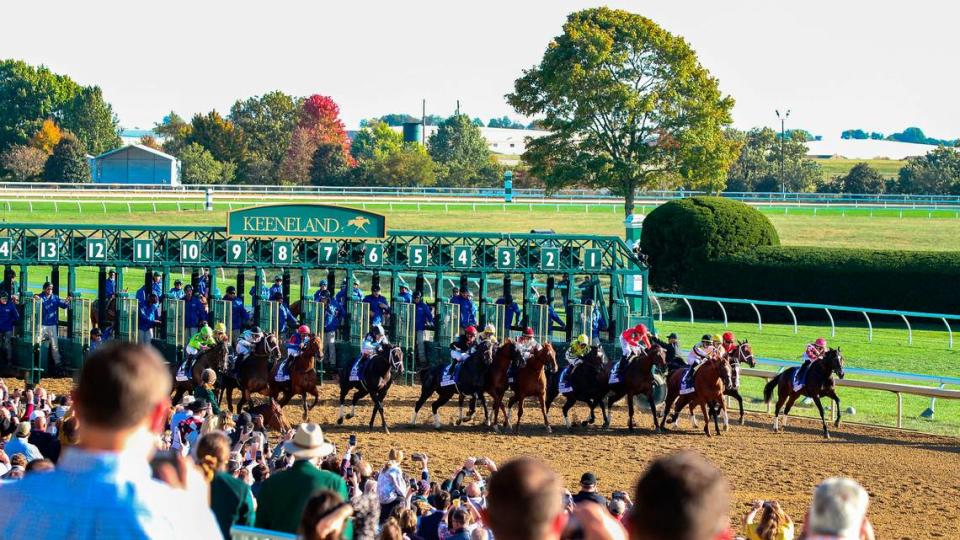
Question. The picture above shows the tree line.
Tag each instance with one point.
(909, 135)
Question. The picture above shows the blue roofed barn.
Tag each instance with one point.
(135, 164)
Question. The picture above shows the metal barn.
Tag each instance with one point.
(136, 164)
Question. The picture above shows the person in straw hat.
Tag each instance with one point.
(284, 495)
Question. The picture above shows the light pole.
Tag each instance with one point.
(783, 133)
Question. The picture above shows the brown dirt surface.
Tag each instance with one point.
(912, 478)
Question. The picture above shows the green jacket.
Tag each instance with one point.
(206, 394)
(284, 495)
(231, 502)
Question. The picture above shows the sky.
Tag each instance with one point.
(877, 65)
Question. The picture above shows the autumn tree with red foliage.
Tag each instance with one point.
(319, 124)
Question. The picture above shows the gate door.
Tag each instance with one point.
(127, 321)
(223, 313)
(270, 318)
(312, 315)
(80, 326)
(539, 320)
(360, 322)
(447, 329)
(405, 335)
(27, 349)
(175, 328)
(496, 314)
(581, 320)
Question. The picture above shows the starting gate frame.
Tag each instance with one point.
(128, 321)
(270, 318)
(404, 315)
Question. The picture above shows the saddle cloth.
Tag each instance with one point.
(355, 371)
(687, 384)
(182, 372)
(615, 373)
(282, 375)
(450, 375)
(799, 383)
(562, 384)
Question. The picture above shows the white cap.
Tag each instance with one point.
(37, 413)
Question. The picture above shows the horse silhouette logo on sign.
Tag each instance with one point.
(359, 223)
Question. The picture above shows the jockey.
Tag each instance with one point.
(700, 352)
(489, 334)
(198, 343)
(371, 344)
(463, 347)
(526, 346)
(729, 342)
(295, 346)
(577, 350)
(813, 352)
(633, 341)
(247, 342)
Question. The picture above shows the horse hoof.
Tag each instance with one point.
(349, 416)
(459, 421)
(742, 422)
(386, 430)
(339, 421)
(549, 429)
(496, 429)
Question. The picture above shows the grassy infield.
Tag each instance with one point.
(877, 229)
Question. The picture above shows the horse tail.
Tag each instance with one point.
(768, 389)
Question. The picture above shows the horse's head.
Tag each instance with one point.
(548, 355)
(314, 347)
(487, 350)
(834, 361)
(268, 347)
(724, 372)
(744, 353)
(273, 417)
(220, 354)
(658, 356)
(395, 357)
(595, 356)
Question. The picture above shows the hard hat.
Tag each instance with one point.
(716, 337)
(304, 329)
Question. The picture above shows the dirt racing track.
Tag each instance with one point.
(913, 479)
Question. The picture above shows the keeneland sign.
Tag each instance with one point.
(305, 221)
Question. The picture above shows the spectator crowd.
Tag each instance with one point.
(114, 460)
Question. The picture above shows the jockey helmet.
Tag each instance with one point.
(304, 329)
(582, 339)
(471, 330)
(205, 332)
(220, 328)
(377, 330)
(490, 329)
(820, 342)
(706, 337)
(247, 335)
(641, 329)
(716, 338)
(728, 337)
(256, 331)
(528, 332)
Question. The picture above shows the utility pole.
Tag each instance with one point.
(458, 107)
(423, 124)
(783, 133)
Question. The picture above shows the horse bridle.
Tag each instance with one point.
(396, 363)
(741, 357)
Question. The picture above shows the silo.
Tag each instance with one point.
(412, 132)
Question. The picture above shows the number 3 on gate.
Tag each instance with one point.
(506, 258)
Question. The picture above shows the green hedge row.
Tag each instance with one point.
(904, 280)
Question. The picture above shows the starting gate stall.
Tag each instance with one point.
(344, 242)
(223, 313)
(447, 330)
(405, 335)
(495, 314)
(128, 322)
(539, 321)
(79, 341)
(28, 349)
(312, 314)
(175, 332)
(581, 320)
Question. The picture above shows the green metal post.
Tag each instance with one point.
(305, 285)
(634, 285)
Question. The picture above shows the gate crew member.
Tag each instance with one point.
(177, 291)
(424, 319)
(277, 287)
(510, 311)
(379, 307)
(158, 285)
(332, 315)
(110, 286)
(404, 294)
(322, 291)
(203, 282)
(8, 317)
(240, 314)
(286, 316)
(148, 316)
(356, 295)
(195, 310)
(467, 318)
(50, 315)
(542, 300)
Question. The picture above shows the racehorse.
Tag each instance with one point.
(638, 380)
(214, 358)
(253, 373)
(531, 380)
(819, 383)
(588, 383)
(272, 415)
(471, 381)
(709, 382)
(496, 381)
(303, 376)
(376, 379)
(743, 353)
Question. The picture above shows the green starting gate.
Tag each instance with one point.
(447, 329)
(312, 315)
(581, 320)
(28, 349)
(80, 326)
(360, 321)
(539, 321)
(405, 335)
(495, 314)
(175, 331)
(269, 319)
(127, 321)
(223, 313)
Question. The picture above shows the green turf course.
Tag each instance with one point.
(832, 167)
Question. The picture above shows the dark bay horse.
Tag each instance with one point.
(638, 380)
(531, 381)
(303, 376)
(496, 381)
(253, 373)
(820, 383)
(743, 353)
(376, 380)
(214, 358)
(588, 383)
(471, 382)
(709, 383)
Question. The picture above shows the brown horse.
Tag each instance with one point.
(743, 353)
(303, 376)
(638, 380)
(531, 380)
(709, 382)
(496, 381)
(272, 416)
(819, 383)
(214, 358)
(253, 373)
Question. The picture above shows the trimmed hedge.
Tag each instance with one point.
(682, 235)
(905, 280)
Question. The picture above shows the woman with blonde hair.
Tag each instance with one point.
(767, 521)
(391, 486)
(205, 390)
(230, 498)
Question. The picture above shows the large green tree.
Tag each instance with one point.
(68, 163)
(219, 136)
(329, 165)
(462, 153)
(198, 166)
(267, 123)
(92, 121)
(935, 173)
(628, 106)
(757, 166)
(174, 130)
(383, 159)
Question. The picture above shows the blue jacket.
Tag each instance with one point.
(274, 289)
(157, 289)
(512, 310)
(598, 322)
(240, 313)
(142, 293)
(553, 316)
(51, 305)
(286, 316)
(261, 295)
(194, 312)
(149, 315)
(405, 297)
(332, 317)
(202, 285)
(110, 288)
(8, 316)
(175, 293)
(321, 294)
(377, 308)
(468, 315)
(424, 315)
(355, 295)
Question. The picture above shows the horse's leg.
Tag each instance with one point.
(653, 409)
(706, 419)
(722, 408)
(303, 403)
(603, 411)
(542, 398)
(442, 399)
(177, 394)
(789, 405)
(460, 399)
(344, 390)
(229, 391)
(630, 412)
(316, 396)
(832, 394)
(693, 415)
(782, 396)
(357, 396)
(735, 394)
(425, 392)
(516, 427)
(510, 403)
(244, 398)
(567, 405)
(473, 407)
(613, 398)
(823, 420)
(383, 419)
(486, 413)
